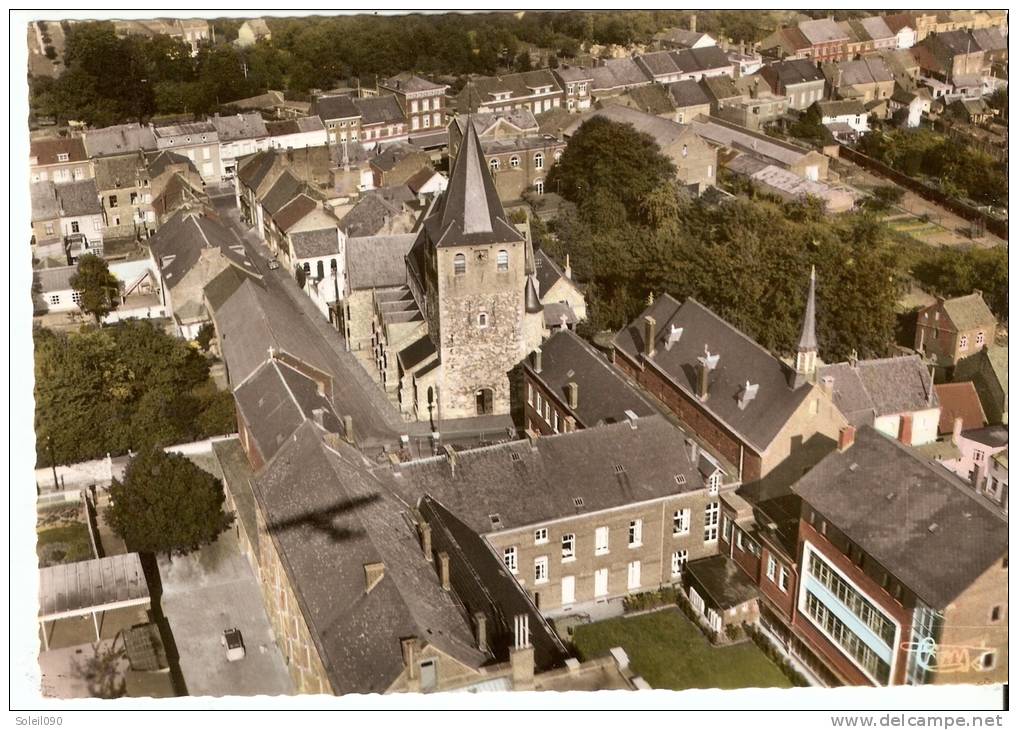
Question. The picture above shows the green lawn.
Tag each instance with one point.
(64, 544)
(671, 653)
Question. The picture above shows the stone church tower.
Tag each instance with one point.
(468, 271)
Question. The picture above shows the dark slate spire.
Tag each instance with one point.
(471, 204)
(808, 340)
(533, 300)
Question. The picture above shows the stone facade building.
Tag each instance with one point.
(951, 329)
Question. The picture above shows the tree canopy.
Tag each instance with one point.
(166, 504)
(952, 272)
(121, 387)
(99, 289)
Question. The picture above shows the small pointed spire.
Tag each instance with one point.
(808, 340)
(569, 269)
(532, 300)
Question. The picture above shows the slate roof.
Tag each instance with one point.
(78, 198)
(316, 243)
(45, 205)
(876, 28)
(410, 83)
(822, 30)
(841, 108)
(989, 39)
(184, 236)
(959, 400)
(708, 58)
(224, 284)
(374, 262)
(275, 400)
(379, 110)
(604, 396)
(687, 93)
(183, 130)
(659, 63)
(367, 217)
(552, 472)
(253, 170)
(569, 73)
(293, 212)
(118, 139)
(335, 107)
(724, 582)
(160, 161)
(518, 84)
(741, 360)
(286, 188)
(121, 171)
(484, 121)
(618, 73)
(46, 149)
(916, 519)
(546, 270)
(992, 436)
(392, 154)
(796, 71)
(739, 138)
(882, 387)
(329, 518)
(868, 70)
(969, 312)
(240, 126)
(653, 99)
(664, 131)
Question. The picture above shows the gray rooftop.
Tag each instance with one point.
(917, 520)
(823, 30)
(528, 483)
(724, 582)
(618, 74)
(869, 389)
(664, 131)
(688, 93)
(604, 396)
(178, 245)
(969, 311)
(119, 139)
(741, 361)
(744, 140)
(316, 243)
(240, 126)
(75, 589)
(377, 261)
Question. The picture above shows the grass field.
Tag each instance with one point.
(64, 544)
(671, 653)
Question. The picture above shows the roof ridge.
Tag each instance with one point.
(736, 330)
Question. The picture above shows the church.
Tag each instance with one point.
(468, 310)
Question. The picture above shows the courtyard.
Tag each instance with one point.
(668, 651)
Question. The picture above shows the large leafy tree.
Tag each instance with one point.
(166, 504)
(121, 387)
(99, 289)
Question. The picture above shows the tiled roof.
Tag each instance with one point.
(687, 93)
(119, 139)
(374, 262)
(969, 312)
(959, 400)
(664, 131)
(178, 244)
(917, 520)
(823, 30)
(286, 188)
(379, 110)
(240, 126)
(46, 150)
(618, 74)
(294, 211)
(335, 107)
(410, 83)
(316, 243)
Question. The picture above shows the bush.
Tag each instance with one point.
(776, 656)
(734, 632)
(51, 53)
(666, 596)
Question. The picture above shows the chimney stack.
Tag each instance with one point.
(426, 540)
(827, 384)
(537, 360)
(409, 646)
(481, 622)
(692, 23)
(702, 383)
(694, 452)
(846, 437)
(318, 414)
(573, 395)
(905, 429)
(348, 428)
(443, 569)
(956, 431)
(521, 655)
(649, 334)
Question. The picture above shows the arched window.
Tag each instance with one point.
(321, 269)
(502, 261)
(493, 164)
(539, 160)
(558, 155)
(514, 161)
(482, 319)
(333, 266)
(539, 186)
(459, 264)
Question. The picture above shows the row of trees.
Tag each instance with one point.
(958, 169)
(634, 233)
(119, 388)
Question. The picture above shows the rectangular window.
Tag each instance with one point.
(680, 522)
(541, 536)
(710, 522)
(726, 528)
(113, 201)
(783, 579)
(509, 557)
(540, 405)
(554, 422)
(738, 540)
(772, 568)
(207, 152)
(49, 229)
(134, 198)
(679, 558)
(530, 394)
(54, 299)
(635, 533)
(76, 297)
(601, 541)
(568, 547)
(541, 569)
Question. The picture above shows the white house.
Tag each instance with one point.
(137, 299)
(239, 135)
(837, 115)
(318, 247)
(296, 133)
(252, 31)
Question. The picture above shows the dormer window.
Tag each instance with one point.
(63, 157)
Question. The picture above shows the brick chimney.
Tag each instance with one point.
(846, 437)
(956, 431)
(443, 569)
(573, 395)
(649, 334)
(905, 429)
(348, 428)
(537, 360)
(702, 382)
(426, 540)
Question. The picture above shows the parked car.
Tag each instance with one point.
(273, 265)
(234, 643)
